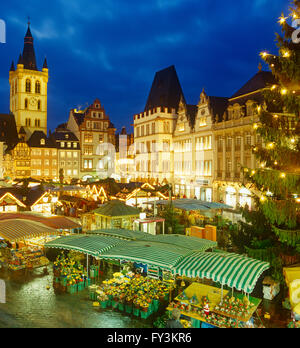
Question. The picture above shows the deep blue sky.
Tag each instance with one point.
(111, 49)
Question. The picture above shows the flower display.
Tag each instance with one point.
(70, 269)
(134, 290)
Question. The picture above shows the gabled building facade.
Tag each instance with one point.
(96, 135)
(68, 153)
(154, 128)
(44, 158)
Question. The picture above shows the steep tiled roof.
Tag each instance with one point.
(259, 81)
(64, 135)
(218, 106)
(79, 118)
(166, 90)
(35, 140)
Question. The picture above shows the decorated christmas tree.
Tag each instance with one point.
(278, 176)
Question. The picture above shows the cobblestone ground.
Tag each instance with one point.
(29, 304)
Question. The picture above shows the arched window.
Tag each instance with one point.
(38, 87)
(16, 86)
(26, 103)
(28, 86)
(39, 105)
(28, 122)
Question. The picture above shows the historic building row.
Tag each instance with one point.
(200, 149)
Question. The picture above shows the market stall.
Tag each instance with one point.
(207, 306)
(60, 223)
(153, 226)
(292, 278)
(90, 245)
(24, 247)
(114, 214)
(235, 271)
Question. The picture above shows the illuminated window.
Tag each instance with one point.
(181, 127)
(203, 122)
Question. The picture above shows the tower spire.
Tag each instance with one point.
(28, 51)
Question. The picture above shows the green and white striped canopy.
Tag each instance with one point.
(235, 271)
(119, 233)
(190, 243)
(90, 245)
(148, 252)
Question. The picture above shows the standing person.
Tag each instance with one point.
(174, 322)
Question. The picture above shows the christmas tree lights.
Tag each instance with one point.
(279, 153)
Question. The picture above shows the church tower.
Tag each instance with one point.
(28, 90)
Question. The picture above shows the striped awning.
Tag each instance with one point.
(19, 230)
(235, 271)
(90, 245)
(150, 253)
(57, 222)
(119, 233)
(190, 243)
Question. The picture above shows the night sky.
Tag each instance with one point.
(111, 49)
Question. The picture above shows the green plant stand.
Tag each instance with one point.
(104, 304)
(128, 309)
(136, 312)
(121, 307)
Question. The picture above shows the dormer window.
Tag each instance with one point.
(43, 142)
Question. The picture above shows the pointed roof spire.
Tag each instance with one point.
(12, 68)
(28, 51)
(20, 61)
(28, 33)
(45, 65)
